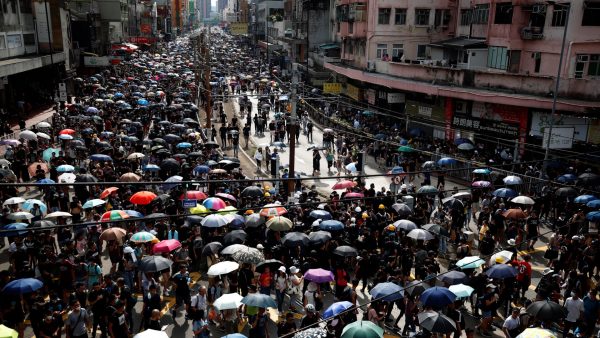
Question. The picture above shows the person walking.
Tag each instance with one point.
(77, 321)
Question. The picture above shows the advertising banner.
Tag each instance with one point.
(332, 88)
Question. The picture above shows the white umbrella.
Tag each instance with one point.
(501, 257)
(420, 234)
(20, 215)
(43, 135)
(67, 178)
(44, 125)
(5, 163)
(463, 194)
(14, 200)
(512, 180)
(133, 156)
(151, 334)
(58, 214)
(230, 250)
(523, 200)
(228, 301)
(27, 135)
(223, 268)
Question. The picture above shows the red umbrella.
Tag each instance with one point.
(142, 197)
(193, 195)
(114, 215)
(108, 191)
(354, 195)
(345, 184)
(226, 196)
(514, 214)
(67, 132)
(166, 246)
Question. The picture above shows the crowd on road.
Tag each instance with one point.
(124, 198)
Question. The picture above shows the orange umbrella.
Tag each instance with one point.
(514, 214)
(33, 168)
(130, 177)
(67, 132)
(142, 197)
(108, 191)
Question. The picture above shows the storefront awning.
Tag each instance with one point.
(459, 43)
(22, 64)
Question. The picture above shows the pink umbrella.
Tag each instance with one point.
(166, 245)
(214, 203)
(481, 184)
(354, 195)
(226, 196)
(319, 275)
(345, 184)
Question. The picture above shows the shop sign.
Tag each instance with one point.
(424, 110)
(370, 96)
(353, 92)
(542, 120)
(562, 138)
(395, 98)
(332, 88)
(502, 129)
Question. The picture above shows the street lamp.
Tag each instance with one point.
(553, 115)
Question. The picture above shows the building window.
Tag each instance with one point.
(594, 66)
(400, 16)
(481, 14)
(559, 15)
(421, 17)
(351, 48)
(397, 50)
(29, 39)
(26, 6)
(591, 13)
(465, 17)
(384, 16)
(537, 59)
(587, 64)
(497, 57)
(350, 27)
(381, 50)
(421, 52)
(338, 27)
(2, 42)
(441, 18)
(504, 13)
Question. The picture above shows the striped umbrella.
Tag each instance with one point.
(142, 237)
(114, 215)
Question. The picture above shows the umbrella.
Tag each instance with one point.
(67, 178)
(43, 223)
(233, 248)
(344, 184)
(272, 210)
(466, 146)
(22, 285)
(331, 225)
(593, 216)
(446, 161)
(199, 210)
(501, 257)
(226, 196)
(214, 221)
(362, 329)
(150, 167)
(65, 168)
(462, 140)
(514, 214)
(420, 234)
(454, 203)
(546, 310)
(154, 263)
(142, 237)
(106, 192)
(134, 213)
(65, 137)
(254, 220)
(101, 157)
(214, 203)
(86, 178)
(312, 332)
(294, 239)
(252, 191)
(112, 234)
(482, 171)
(435, 229)
(134, 156)
(336, 308)
(142, 197)
(594, 204)
(437, 297)
(248, 255)
(427, 190)
(584, 199)
(405, 149)
(453, 277)
(436, 322)
(345, 251)
(567, 178)
(481, 184)
(211, 248)
(461, 290)
(416, 287)
(512, 180)
(44, 125)
(114, 215)
(20, 215)
(536, 332)
(354, 195)
(470, 262)
(235, 237)
(18, 227)
(387, 291)
(201, 169)
(93, 203)
(525, 200)
(166, 245)
(505, 193)
(280, 223)
(405, 225)
(272, 264)
(566, 192)
(67, 132)
(27, 135)
(397, 171)
(47, 154)
(588, 179)
(7, 332)
(228, 301)
(319, 237)
(14, 200)
(172, 182)
(319, 275)
(320, 214)
(151, 334)
(259, 300)
(402, 209)
(501, 271)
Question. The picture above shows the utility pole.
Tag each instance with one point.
(293, 130)
(206, 56)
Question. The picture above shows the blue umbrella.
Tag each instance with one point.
(142, 102)
(87, 131)
(583, 199)
(388, 292)
(593, 216)
(101, 157)
(461, 140)
(505, 193)
(23, 285)
(45, 181)
(593, 204)
(151, 167)
(336, 308)
(106, 134)
(201, 169)
(320, 214)
(331, 225)
(397, 170)
(19, 227)
(453, 277)
(403, 142)
(134, 213)
(437, 297)
(501, 271)
(235, 335)
(118, 95)
(415, 132)
(65, 168)
(368, 113)
(482, 171)
(137, 94)
(28, 205)
(259, 300)
(380, 136)
(184, 145)
(566, 178)
(93, 203)
(47, 154)
(92, 110)
(446, 161)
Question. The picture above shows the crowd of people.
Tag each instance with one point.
(130, 199)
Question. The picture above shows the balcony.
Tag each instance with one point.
(532, 33)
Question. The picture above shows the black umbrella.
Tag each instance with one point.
(319, 237)
(160, 141)
(453, 277)
(273, 265)
(193, 220)
(229, 164)
(252, 191)
(546, 310)
(566, 192)
(43, 223)
(435, 322)
(235, 237)
(294, 239)
(588, 179)
(169, 164)
(86, 178)
(402, 209)
(455, 204)
(232, 159)
(435, 229)
(211, 144)
(195, 154)
(345, 251)
(154, 263)
(162, 198)
(156, 215)
(416, 287)
(211, 248)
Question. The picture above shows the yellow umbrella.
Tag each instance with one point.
(228, 210)
(7, 332)
(199, 209)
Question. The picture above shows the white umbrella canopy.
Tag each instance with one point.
(501, 257)
(420, 234)
(228, 301)
(151, 334)
(20, 215)
(231, 249)
(14, 200)
(67, 178)
(526, 200)
(58, 214)
(223, 268)
(43, 135)
(44, 125)
(27, 135)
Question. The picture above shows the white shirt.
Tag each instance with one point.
(199, 302)
(310, 297)
(281, 283)
(574, 308)
(511, 323)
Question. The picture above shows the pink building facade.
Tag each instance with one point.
(466, 67)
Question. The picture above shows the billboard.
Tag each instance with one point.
(332, 88)
(562, 138)
(238, 28)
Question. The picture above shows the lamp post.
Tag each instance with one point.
(554, 115)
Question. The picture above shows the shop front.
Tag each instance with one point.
(426, 118)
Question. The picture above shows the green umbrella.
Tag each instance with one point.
(362, 329)
(406, 149)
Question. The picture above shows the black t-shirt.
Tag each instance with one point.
(100, 306)
(309, 320)
(119, 325)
